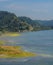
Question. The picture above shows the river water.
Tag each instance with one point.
(40, 42)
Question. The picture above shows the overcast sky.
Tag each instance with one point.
(35, 9)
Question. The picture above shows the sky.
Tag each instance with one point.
(35, 9)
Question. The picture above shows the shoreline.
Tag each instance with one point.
(11, 34)
(14, 52)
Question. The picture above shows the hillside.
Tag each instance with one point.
(10, 22)
(46, 23)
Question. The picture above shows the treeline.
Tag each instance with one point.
(10, 22)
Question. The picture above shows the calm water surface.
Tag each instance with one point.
(40, 42)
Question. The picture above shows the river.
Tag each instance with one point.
(40, 42)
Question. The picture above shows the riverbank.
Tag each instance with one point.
(12, 34)
(14, 52)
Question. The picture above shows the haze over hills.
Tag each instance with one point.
(10, 22)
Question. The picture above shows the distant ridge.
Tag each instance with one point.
(10, 22)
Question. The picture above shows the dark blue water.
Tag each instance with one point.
(40, 42)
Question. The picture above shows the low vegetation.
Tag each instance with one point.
(14, 52)
(11, 34)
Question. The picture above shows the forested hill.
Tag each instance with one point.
(10, 22)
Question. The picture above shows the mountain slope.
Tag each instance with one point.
(46, 22)
(10, 22)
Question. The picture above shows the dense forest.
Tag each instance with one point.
(10, 22)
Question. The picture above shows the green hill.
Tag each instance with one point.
(10, 22)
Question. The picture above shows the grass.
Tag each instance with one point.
(14, 52)
(12, 34)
